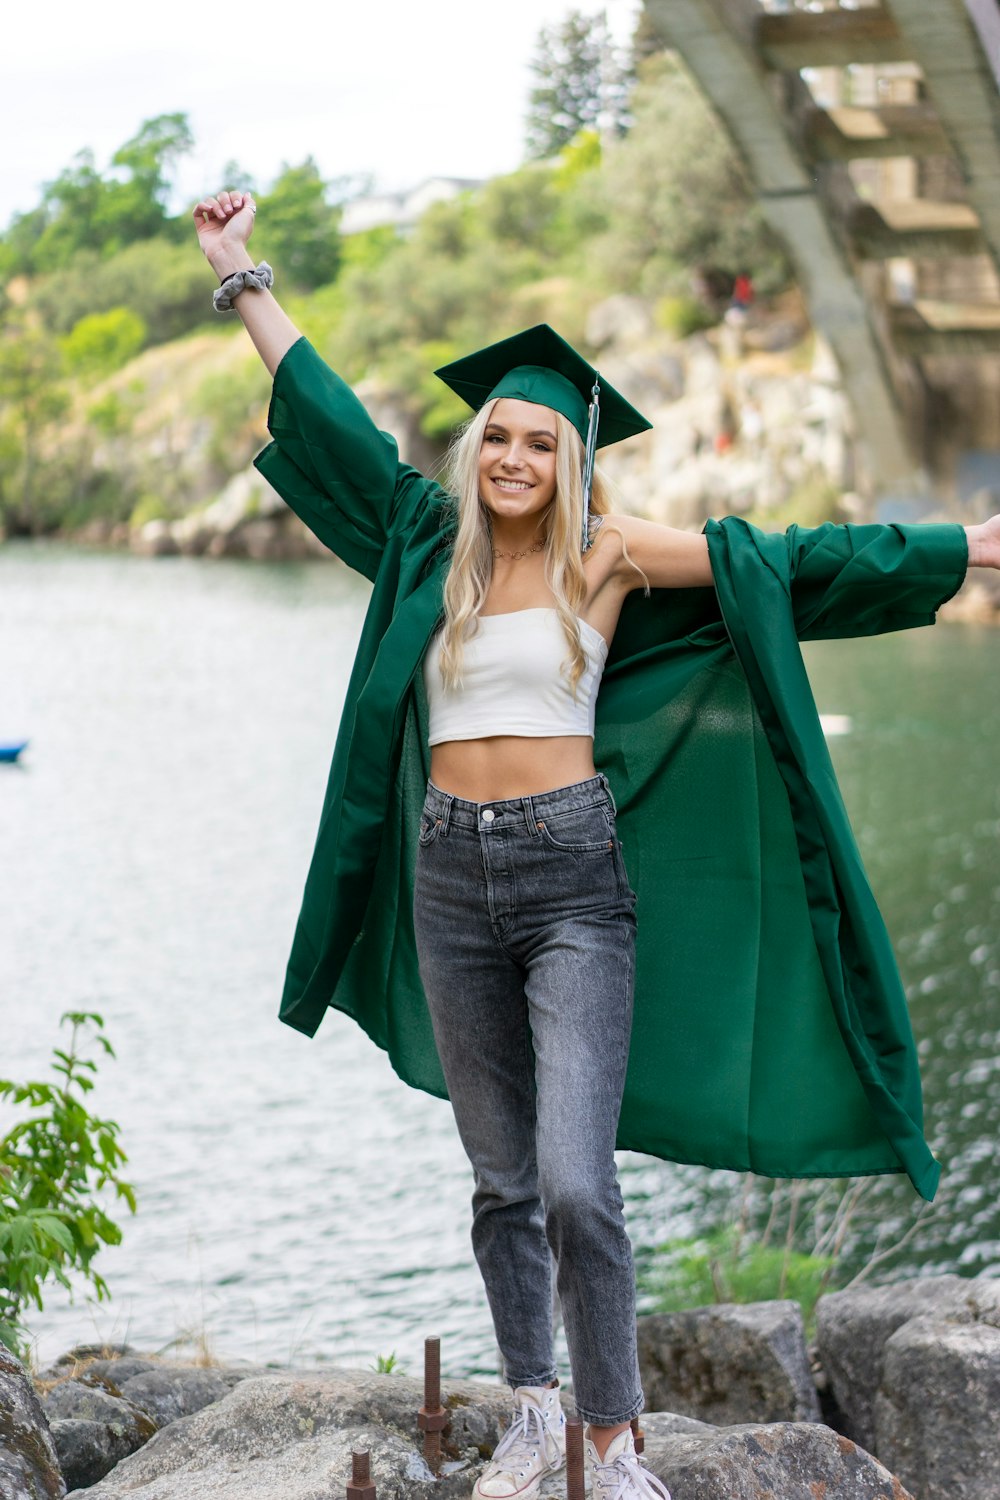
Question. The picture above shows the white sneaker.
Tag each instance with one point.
(533, 1446)
(621, 1473)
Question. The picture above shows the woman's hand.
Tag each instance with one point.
(984, 544)
(224, 226)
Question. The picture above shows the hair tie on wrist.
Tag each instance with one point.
(260, 279)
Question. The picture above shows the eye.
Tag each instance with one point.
(494, 437)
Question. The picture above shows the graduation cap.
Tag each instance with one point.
(539, 366)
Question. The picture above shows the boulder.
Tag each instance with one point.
(728, 1364)
(29, 1467)
(167, 1392)
(783, 1461)
(94, 1427)
(290, 1437)
(936, 1410)
(853, 1328)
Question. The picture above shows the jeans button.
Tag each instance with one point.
(488, 815)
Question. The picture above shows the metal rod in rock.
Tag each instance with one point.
(638, 1436)
(361, 1487)
(575, 1484)
(432, 1417)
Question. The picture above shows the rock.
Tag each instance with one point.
(154, 539)
(853, 1328)
(619, 321)
(729, 1363)
(784, 1461)
(290, 1437)
(93, 1427)
(29, 1467)
(167, 1392)
(936, 1411)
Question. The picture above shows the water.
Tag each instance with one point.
(297, 1202)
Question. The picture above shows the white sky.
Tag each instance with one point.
(403, 89)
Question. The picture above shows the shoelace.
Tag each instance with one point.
(527, 1432)
(634, 1479)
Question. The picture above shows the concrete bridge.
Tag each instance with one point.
(872, 135)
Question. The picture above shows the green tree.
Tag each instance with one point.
(582, 81)
(32, 398)
(57, 1167)
(676, 197)
(299, 227)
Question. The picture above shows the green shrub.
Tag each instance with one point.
(56, 1167)
(101, 343)
(724, 1266)
(148, 508)
(682, 316)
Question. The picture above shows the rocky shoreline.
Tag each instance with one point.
(897, 1399)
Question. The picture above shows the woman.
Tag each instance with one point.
(519, 911)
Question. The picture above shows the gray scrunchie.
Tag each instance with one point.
(259, 280)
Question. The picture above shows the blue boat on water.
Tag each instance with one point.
(11, 749)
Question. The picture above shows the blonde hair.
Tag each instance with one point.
(471, 571)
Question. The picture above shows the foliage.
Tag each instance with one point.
(778, 1239)
(299, 228)
(168, 285)
(32, 399)
(85, 209)
(723, 1267)
(233, 402)
(103, 342)
(54, 1165)
(683, 208)
(388, 1364)
(582, 82)
(680, 316)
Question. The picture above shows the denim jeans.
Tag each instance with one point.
(526, 936)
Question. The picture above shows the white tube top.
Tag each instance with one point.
(514, 680)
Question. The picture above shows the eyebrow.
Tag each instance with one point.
(538, 432)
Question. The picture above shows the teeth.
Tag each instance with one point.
(511, 484)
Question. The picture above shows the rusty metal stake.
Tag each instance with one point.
(574, 1459)
(432, 1417)
(638, 1436)
(361, 1487)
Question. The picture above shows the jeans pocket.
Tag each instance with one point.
(430, 827)
(581, 830)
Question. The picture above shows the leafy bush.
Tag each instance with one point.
(169, 284)
(55, 1165)
(724, 1267)
(682, 316)
(102, 342)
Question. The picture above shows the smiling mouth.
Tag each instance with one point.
(513, 486)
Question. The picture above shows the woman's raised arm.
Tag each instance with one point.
(224, 226)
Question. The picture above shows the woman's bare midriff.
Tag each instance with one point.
(511, 765)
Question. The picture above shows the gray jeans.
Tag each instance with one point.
(526, 937)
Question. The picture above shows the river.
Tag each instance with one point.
(296, 1201)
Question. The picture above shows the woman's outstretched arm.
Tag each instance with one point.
(224, 226)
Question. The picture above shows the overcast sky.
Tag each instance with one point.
(403, 89)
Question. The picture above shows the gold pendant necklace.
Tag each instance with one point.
(515, 555)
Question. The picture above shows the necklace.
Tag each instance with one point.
(514, 555)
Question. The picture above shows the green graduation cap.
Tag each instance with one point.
(539, 366)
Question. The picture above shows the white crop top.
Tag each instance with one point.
(514, 680)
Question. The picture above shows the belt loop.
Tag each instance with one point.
(529, 816)
(607, 788)
(449, 803)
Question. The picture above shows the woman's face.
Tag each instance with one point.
(517, 461)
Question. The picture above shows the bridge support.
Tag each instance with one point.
(716, 39)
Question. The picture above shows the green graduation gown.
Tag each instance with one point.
(771, 1032)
